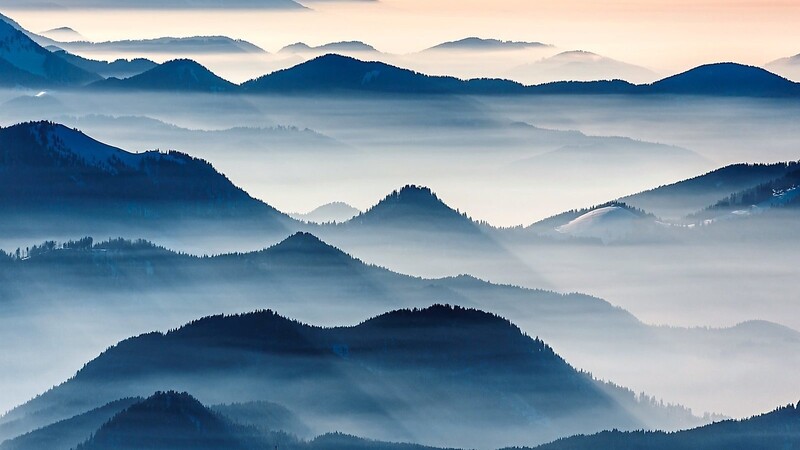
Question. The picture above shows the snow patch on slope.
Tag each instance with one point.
(609, 223)
(70, 142)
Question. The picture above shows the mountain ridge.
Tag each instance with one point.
(51, 169)
(528, 368)
(174, 75)
(19, 51)
(476, 43)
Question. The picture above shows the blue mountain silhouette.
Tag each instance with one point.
(726, 79)
(175, 75)
(335, 73)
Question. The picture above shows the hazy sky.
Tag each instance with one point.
(664, 35)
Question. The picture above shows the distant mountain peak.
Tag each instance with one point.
(337, 212)
(185, 64)
(302, 241)
(304, 251)
(413, 196)
(339, 46)
(171, 400)
(477, 43)
(727, 79)
(440, 314)
(63, 33)
(412, 192)
(296, 47)
(165, 420)
(579, 55)
(178, 74)
(348, 45)
(413, 207)
(336, 58)
(578, 52)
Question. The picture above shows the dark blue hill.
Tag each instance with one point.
(335, 74)
(176, 75)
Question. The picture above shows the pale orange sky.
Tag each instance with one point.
(666, 36)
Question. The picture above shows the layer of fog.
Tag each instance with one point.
(469, 151)
(724, 130)
(494, 167)
(668, 283)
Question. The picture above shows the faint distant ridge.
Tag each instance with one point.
(788, 67)
(580, 65)
(787, 60)
(167, 45)
(332, 47)
(176, 75)
(264, 416)
(476, 43)
(74, 43)
(331, 212)
(63, 33)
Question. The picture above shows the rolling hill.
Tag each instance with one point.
(169, 421)
(315, 282)
(331, 47)
(726, 79)
(579, 66)
(480, 44)
(336, 74)
(329, 212)
(430, 375)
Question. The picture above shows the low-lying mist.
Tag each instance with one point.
(492, 165)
